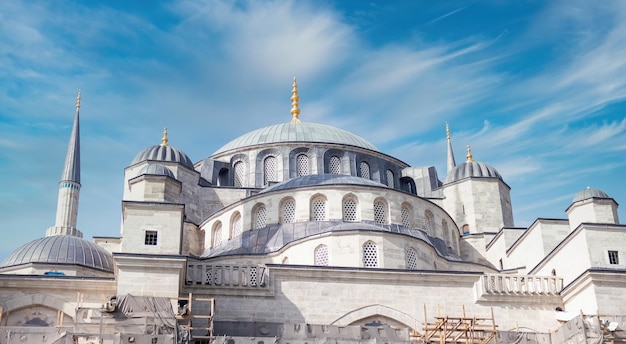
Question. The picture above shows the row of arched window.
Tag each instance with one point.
(318, 209)
(270, 170)
(321, 256)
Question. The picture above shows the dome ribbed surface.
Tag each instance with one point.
(587, 193)
(300, 132)
(322, 179)
(61, 249)
(163, 153)
(156, 169)
(471, 169)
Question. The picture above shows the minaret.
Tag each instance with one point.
(295, 110)
(451, 162)
(69, 186)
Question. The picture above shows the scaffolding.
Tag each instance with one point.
(193, 318)
(459, 330)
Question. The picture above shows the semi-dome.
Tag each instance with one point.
(296, 132)
(471, 169)
(322, 179)
(587, 193)
(163, 153)
(61, 249)
(156, 169)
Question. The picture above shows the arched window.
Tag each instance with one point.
(405, 212)
(217, 234)
(390, 179)
(288, 210)
(236, 225)
(446, 235)
(411, 258)
(370, 255)
(302, 165)
(320, 255)
(335, 165)
(239, 174)
(365, 170)
(350, 209)
(318, 209)
(269, 170)
(380, 212)
(260, 217)
(429, 222)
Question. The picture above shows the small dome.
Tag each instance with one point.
(471, 169)
(61, 249)
(163, 153)
(322, 179)
(156, 169)
(300, 132)
(587, 193)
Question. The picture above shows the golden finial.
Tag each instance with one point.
(78, 100)
(164, 139)
(470, 158)
(295, 110)
(447, 131)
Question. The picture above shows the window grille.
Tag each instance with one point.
(365, 170)
(444, 230)
(390, 181)
(151, 238)
(318, 209)
(430, 222)
(260, 217)
(237, 225)
(289, 211)
(349, 210)
(613, 257)
(411, 259)
(335, 165)
(370, 255)
(253, 276)
(302, 162)
(269, 170)
(406, 216)
(239, 175)
(380, 213)
(217, 235)
(321, 255)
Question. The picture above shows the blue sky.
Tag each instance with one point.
(537, 88)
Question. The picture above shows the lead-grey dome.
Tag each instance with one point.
(163, 153)
(471, 169)
(61, 249)
(156, 169)
(299, 132)
(322, 179)
(587, 193)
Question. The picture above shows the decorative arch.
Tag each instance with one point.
(381, 211)
(259, 216)
(293, 160)
(429, 219)
(370, 311)
(39, 299)
(334, 161)
(319, 208)
(239, 163)
(236, 225)
(287, 210)
(350, 208)
(216, 234)
(406, 215)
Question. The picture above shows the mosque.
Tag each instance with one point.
(303, 232)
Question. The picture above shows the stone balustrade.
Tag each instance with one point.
(227, 276)
(503, 284)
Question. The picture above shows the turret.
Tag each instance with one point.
(69, 186)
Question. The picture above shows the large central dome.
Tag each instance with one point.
(296, 132)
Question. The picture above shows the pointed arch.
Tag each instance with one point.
(377, 310)
(40, 299)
